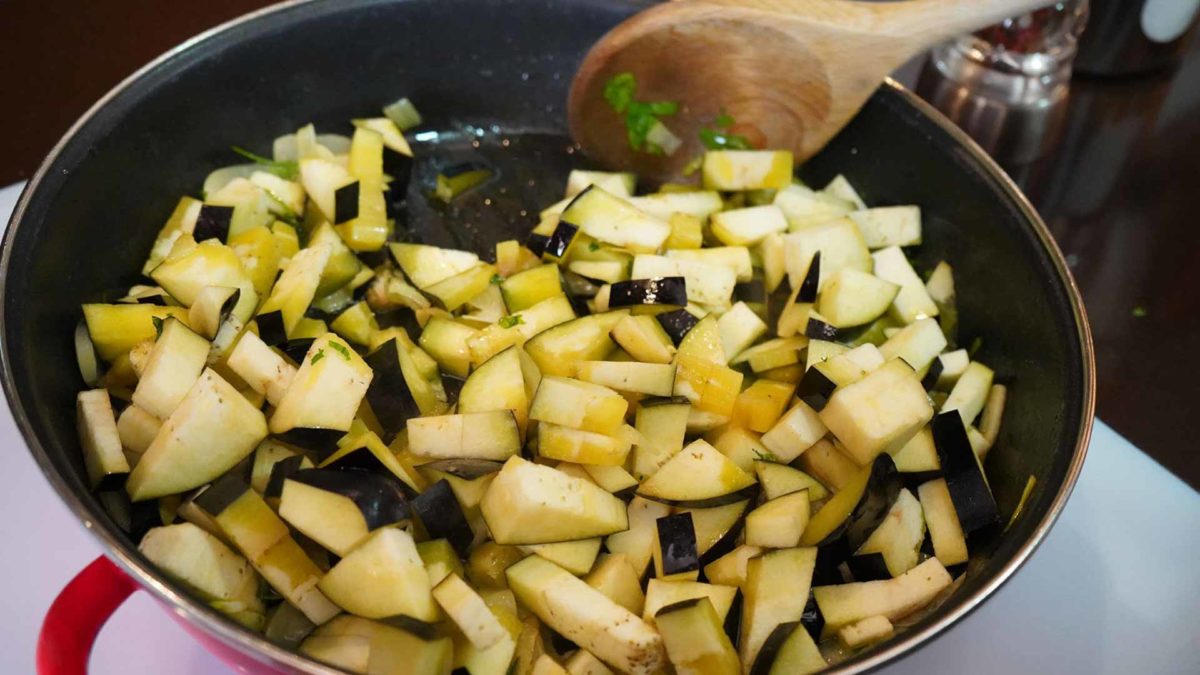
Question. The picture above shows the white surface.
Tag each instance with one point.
(1114, 588)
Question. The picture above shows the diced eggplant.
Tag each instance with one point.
(816, 388)
(587, 617)
(175, 363)
(895, 599)
(731, 170)
(615, 577)
(812, 619)
(788, 650)
(261, 367)
(730, 569)
(841, 188)
(772, 354)
(675, 551)
(780, 479)
(706, 282)
(845, 522)
(137, 429)
(581, 447)
(840, 244)
(652, 379)
(736, 258)
(213, 428)
(889, 225)
(898, 538)
(778, 523)
(365, 451)
(677, 324)
(698, 204)
(246, 519)
(657, 291)
(557, 347)
(383, 576)
(319, 442)
(469, 612)
(327, 389)
(266, 456)
(718, 528)
(115, 329)
(293, 292)
(866, 632)
(945, 533)
(853, 298)
(578, 405)
(440, 559)
(612, 220)
(774, 261)
(748, 226)
(207, 567)
(919, 344)
(708, 385)
(490, 435)
(101, 441)
(965, 480)
(764, 606)
(279, 473)
(212, 222)
(912, 302)
(616, 183)
(287, 626)
(794, 433)
(918, 457)
(993, 412)
(389, 648)
(739, 328)
(760, 405)
(970, 392)
(662, 424)
(698, 476)
(506, 381)
(442, 516)
(532, 504)
(577, 557)
(636, 542)
(338, 509)
(805, 207)
(427, 265)
(819, 328)
(879, 413)
(695, 639)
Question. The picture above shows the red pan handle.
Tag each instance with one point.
(77, 615)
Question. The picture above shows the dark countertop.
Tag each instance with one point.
(1118, 192)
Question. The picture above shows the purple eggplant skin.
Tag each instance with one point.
(720, 500)
(812, 280)
(728, 541)
(677, 539)
(297, 348)
(815, 388)
(883, 487)
(560, 240)
(677, 324)
(378, 498)
(467, 469)
(969, 491)
(320, 443)
(388, 394)
(819, 330)
(771, 646)
(537, 243)
(868, 567)
(439, 511)
(812, 619)
(345, 201)
(271, 330)
(932, 375)
(213, 223)
(750, 292)
(281, 471)
(657, 291)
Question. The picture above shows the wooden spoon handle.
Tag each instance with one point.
(917, 22)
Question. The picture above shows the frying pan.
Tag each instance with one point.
(483, 72)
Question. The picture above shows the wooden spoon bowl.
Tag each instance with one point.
(791, 73)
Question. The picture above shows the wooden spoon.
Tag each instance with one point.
(791, 73)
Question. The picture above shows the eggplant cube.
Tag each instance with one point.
(838, 241)
(581, 447)
(730, 170)
(746, 227)
(765, 606)
(912, 302)
(879, 412)
(384, 576)
(698, 475)
(586, 616)
(176, 361)
(918, 343)
(711, 387)
(695, 639)
(532, 504)
(662, 593)
(853, 298)
(483, 435)
(612, 220)
(327, 389)
(211, 430)
(794, 433)
(206, 566)
(261, 367)
(778, 523)
(578, 405)
(98, 434)
(895, 599)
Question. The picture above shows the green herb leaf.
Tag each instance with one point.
(497, 279)
(765, 456)
(976, 345)
(640, 117)
(340, 348)
(286, 214)
(317, 357)
(158, 326)
(1139, 312)
(724, 120)
(720, 139)
(510, 321)
(593, 246)
(285, 170)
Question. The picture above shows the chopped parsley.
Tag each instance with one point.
(286, 214)
(510, 321)
(317, 357)
(976, 345)
(285, 170)
(593, 246)
(158, 326)
(340, 349)
(1139, 312)
(640, 116)
(719, 138)
(765, 456)
(497, 279)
